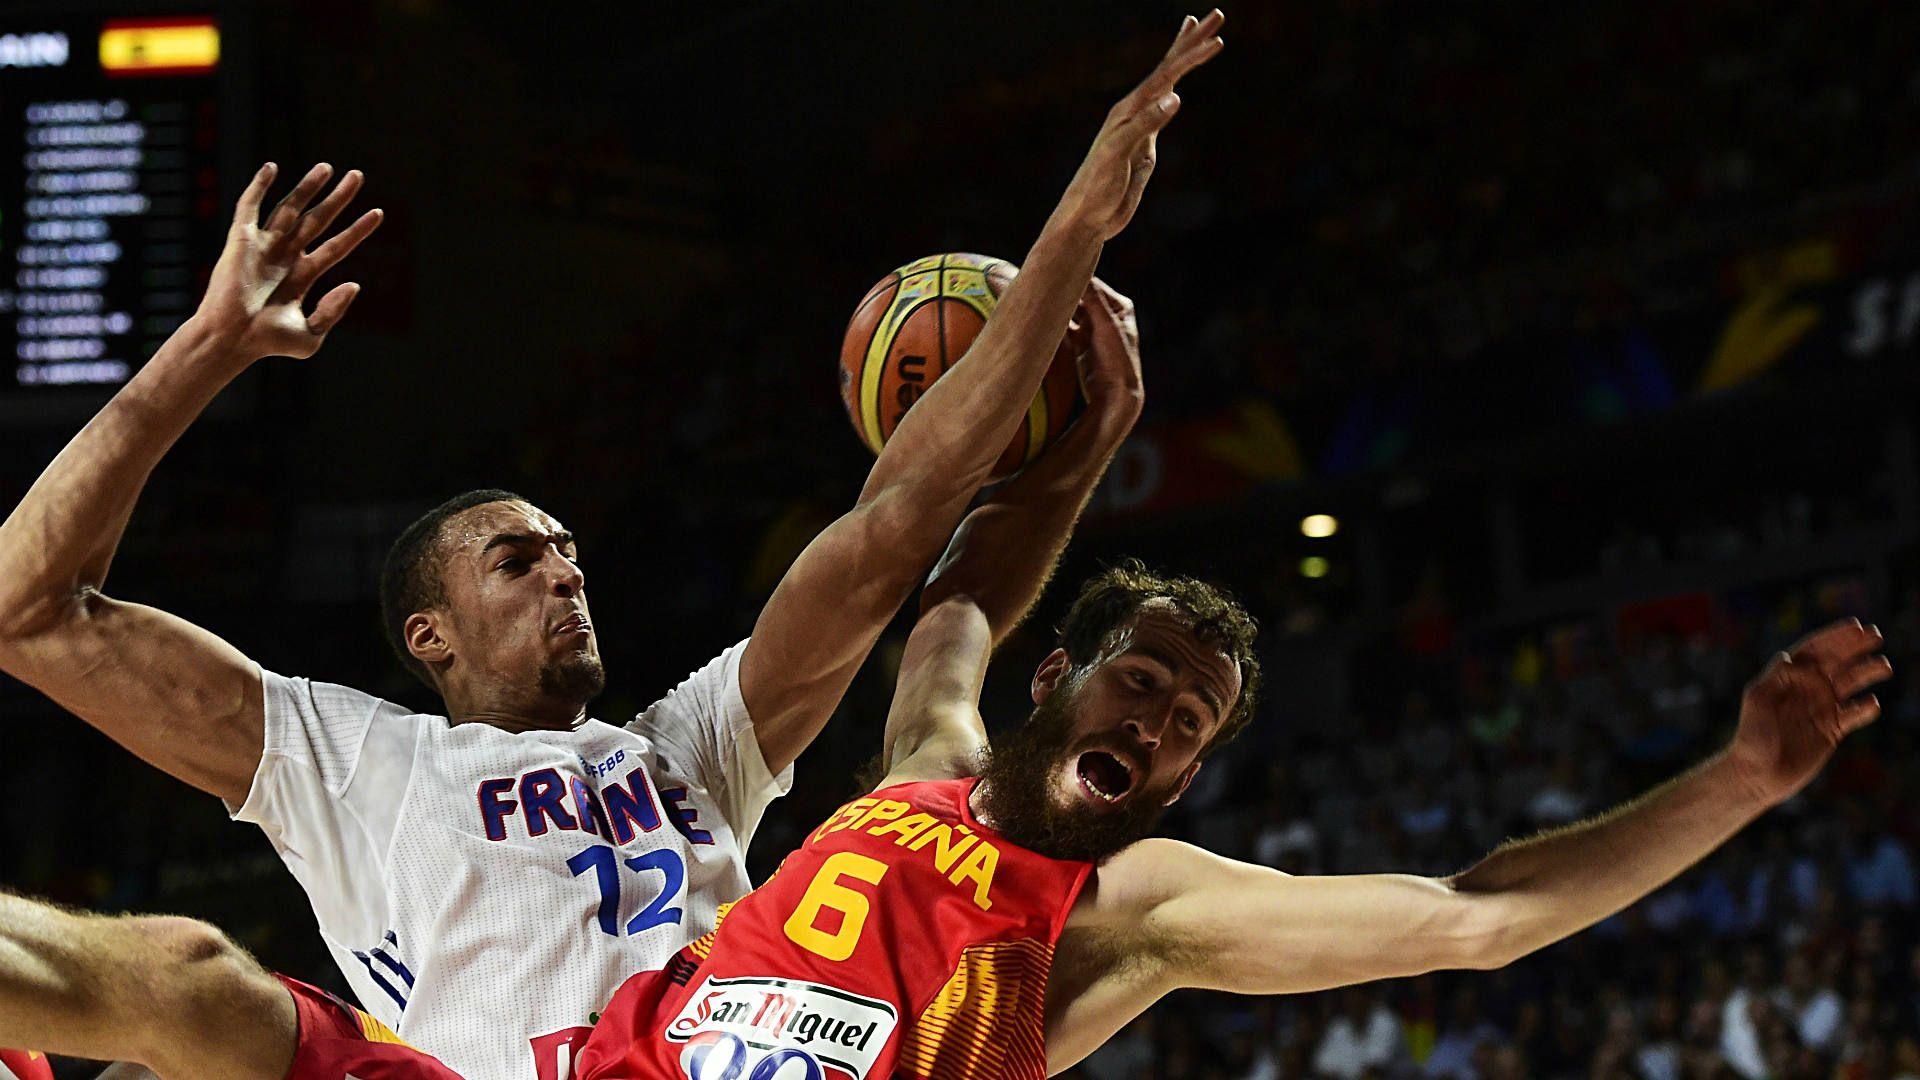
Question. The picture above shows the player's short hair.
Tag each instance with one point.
(411, 579)
(1110, 601)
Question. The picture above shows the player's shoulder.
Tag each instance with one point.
(331, 698)
(1146, 874)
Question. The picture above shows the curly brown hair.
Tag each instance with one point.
(1110, 601)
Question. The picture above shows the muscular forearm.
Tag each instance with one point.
(1005, 550)
(61, 537)
(1540, 890)
(945, 447)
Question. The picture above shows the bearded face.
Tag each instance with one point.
(1019, 792)
(1110, 745)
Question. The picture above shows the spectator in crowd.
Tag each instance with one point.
(1466, 1029)
(1362, 1038)
(1815, 1009)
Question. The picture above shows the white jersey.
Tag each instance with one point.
(487, 892)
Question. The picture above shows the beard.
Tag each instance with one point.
(1018, 797)
(577, 677)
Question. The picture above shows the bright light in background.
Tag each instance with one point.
(1314, 566)
(1319, 527)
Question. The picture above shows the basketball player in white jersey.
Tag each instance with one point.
(487, 878)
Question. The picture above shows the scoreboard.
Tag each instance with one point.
(110, 196)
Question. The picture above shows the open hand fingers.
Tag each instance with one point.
(1197, 42)
(320, 218)
(332, 307)
(1859, 714)
(1860, 675)
(247, 210)
(324, 257)
(1835, 647)
(288, 210)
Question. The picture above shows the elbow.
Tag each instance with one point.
(1485, 936)
(24, 620)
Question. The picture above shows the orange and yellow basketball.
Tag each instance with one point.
(915, 324)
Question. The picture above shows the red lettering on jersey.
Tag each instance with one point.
(553, 1054)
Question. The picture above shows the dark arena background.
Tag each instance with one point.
(1534, 371)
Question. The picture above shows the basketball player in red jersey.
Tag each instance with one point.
(999, 911)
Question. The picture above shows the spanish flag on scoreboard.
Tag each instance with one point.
(179, 46)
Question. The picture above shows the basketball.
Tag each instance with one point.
(915, 324)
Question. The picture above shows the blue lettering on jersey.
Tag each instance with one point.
(549, 799)
(604, 768)
(541, 794)
(495, 807)
(627, 809)
(586, 804)
(684, 816)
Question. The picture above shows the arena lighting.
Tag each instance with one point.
(1319, 526)
(1313, 566)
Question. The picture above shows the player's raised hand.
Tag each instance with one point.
(258, 289)
(1107, 188)
(1807, 700)
(1110, 367)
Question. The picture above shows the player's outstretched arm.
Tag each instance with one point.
(934, 730)
(176, 695)
(1005, 549)
(172, 994)
(1211, 922)
(835, 600)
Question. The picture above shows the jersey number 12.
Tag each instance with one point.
(604, 862)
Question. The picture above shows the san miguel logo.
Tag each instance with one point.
(836, 1028)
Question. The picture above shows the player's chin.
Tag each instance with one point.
(573, 676)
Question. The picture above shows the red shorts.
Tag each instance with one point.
(337, 1039)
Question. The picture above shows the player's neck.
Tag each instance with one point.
(977, 803)
(538, 714)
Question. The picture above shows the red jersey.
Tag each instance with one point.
(903, 938)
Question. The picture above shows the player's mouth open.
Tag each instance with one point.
(1104, 776)
(573, 624)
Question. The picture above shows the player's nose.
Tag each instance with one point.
(567, 576)
(1147, 726)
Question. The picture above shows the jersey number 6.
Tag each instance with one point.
(827, 893)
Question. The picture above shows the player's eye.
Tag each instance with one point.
(1190, 723)
(511, 562)
(1141, 680)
